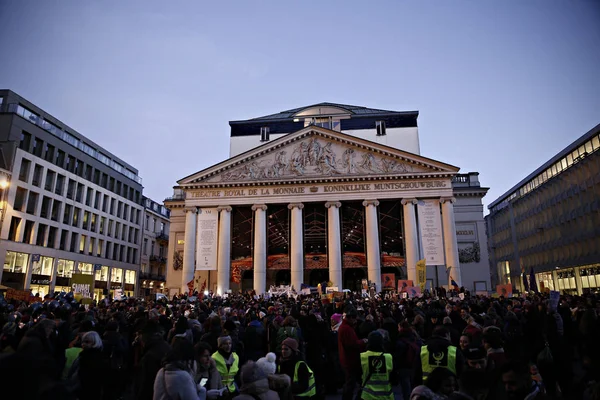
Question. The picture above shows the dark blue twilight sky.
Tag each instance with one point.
(501, 86)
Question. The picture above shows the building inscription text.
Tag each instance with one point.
(294, 190)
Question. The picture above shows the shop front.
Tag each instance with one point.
(41, 275)
(15, 269)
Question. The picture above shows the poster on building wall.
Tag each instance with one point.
(82, 286)
(430, 224)
(388, 281)
(206, 239)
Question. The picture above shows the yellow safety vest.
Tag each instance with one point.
(228, 375)
(445, 359)
(312, 387)
(376, 371)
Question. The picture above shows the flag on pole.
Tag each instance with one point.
(453, 283)
(190, 286)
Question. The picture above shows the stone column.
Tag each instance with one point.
(28, 273)
(191, 214)
(411, 238)
(260, 248)
(450, 244)
(373, 250)
(224, 253)
(297, 245)
(334, 244)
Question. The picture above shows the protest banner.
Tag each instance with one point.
(403, 284)
(82, 286)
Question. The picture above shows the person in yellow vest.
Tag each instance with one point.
(437, 352)
(228, 363)
(377, 368)
(293, 365)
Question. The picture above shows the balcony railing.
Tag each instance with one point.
(158, 259)
(176, 197)
(152, 277)
(162, 236)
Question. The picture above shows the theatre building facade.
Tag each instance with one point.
(326, 193)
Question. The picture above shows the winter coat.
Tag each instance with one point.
(91, 365)
(349, 347)
(259, 388)
(215, 381)
(255, 340)
(150, 364)
(174, 382)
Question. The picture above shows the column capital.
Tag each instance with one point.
(371, 202)
(224, 208)
(291, 206)
(408, 201)
(447, 199)
(330, 204)
(259, 207)
(190, 209)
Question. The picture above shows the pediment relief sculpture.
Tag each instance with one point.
(316, 157)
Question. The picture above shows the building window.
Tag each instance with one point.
(55, 210)
(49, 184)
(52, 237)
(82, 243)
(49, 154)
(46, 206)
(129, 277)
(37, 175)
(64, 268)
(100, 245)
(25, 141)
(60, 184)
(15, 222)
(32, 203)
(43, 267)
(102, 273)
(24, 170)
(16, 262)
(264, 134)
(60, 158)
(380, 126)
(38, 147)
(20, 196)
(86, 268)
(116, 275)
(28, 231)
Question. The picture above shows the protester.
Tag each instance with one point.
(228, 364)
(293, 365)
(175, 380)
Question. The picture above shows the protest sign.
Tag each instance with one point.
(82, 286)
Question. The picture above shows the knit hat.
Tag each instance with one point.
(447, 321)
(267, 363)
(251, 372)
(291, 343)
(222, 339)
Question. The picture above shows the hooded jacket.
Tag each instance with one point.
(175, 382)
(349, 346)
(259, 388)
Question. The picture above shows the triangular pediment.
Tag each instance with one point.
(315, 153)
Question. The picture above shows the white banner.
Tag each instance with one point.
(206, 239)
(430, 223)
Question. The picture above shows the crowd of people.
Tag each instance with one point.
(249, 347)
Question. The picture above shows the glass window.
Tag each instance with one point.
(24, 171)
(86, 268)
(25, 141)
(129, 276)
(595, 142)
(27, 114)
(70, 139)
(16, 262)
(103, 158)
(116, 275)
(64, 268)
(82, 243)
(102, 273)
(43, 267)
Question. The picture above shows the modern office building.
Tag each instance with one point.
(154, 247)
(328, 192)
(71, 206)
(550, 222)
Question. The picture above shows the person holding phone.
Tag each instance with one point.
(207, 375)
